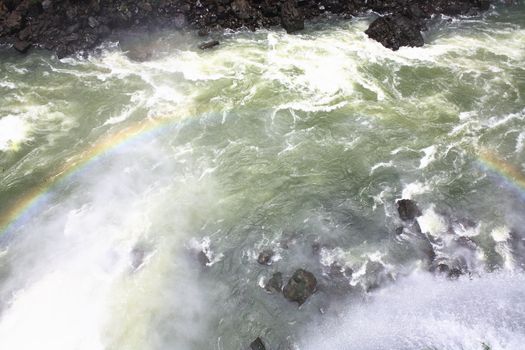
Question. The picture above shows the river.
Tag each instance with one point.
(116, 174)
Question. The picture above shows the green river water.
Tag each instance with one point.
(115, 174)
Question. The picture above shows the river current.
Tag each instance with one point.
(117, 177)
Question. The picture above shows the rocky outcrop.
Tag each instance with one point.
(275, 283)
(394, 31)
(407, 209)
(70, 26)
(257, 344)
(300, 287)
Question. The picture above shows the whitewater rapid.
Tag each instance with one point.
(116, 174)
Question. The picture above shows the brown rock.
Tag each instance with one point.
(301, 286)
(265, 257)
(275, 283)
(22, 46)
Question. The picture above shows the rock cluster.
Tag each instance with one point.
(70, 26)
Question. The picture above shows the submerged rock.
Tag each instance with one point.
(257, 344)
(265, 257)
(453, 272)
(408, 209)
(203, 258)
(208, 44)
(275, 283)
(138, 255)
(376, 276)
(300, 287)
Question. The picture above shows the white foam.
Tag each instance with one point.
(423, 312)
(414, 189)
(432, 223)
(60, 311)
(13, 131)
(500, 234)
(430, 156)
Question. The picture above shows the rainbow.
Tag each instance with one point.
(38, 196)
(512, 175)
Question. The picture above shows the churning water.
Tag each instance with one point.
(116, 174)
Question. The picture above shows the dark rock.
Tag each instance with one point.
(407, 209)
(454, 273)
(242, 9)
(337, 270)
(394, 31)
(103, 30)
(145, 6)
(316, 248)
(13, 22)
(24, 33)
(203, 32)
(375, 275)
(301, 286)
(257, 344)
(179, 21)
(292, 19)
(52, 22)
(92, 22)
(22, 46)
(73, 28)
(47, 5)
(208, 44)
(138, 255)
(265, 257)
(275, 283)
(203, 258)
(140, 53)
(448, 269)
(72, 37)
(3, 9)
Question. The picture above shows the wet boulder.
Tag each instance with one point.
(208, 44)
(242, 9)
(300, 286)
(265, 257)
(395, 31)
(452, 272)
(22, 46)
(407, 209)
(257, 344)
(292, 19)
(275, 283)
(140, 53)
(376, 276)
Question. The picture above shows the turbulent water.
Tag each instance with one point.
(115, 174)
